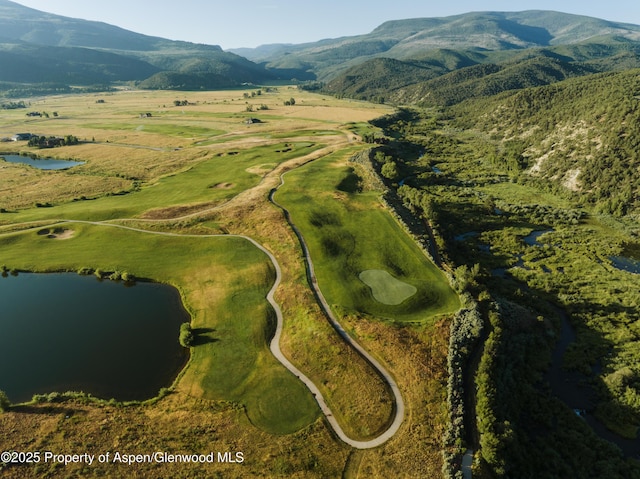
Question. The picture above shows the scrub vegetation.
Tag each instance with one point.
(539, 259)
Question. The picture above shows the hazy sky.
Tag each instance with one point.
(249, 23)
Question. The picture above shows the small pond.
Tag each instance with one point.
(465, 236)
(532, 238)
(626, 264)
(65, 332)
(42, 163)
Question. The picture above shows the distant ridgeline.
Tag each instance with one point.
(90, 53)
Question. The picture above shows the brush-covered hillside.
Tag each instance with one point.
(581, 135)
(38, 47)
(446, 77)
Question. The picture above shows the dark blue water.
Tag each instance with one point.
(42, 163)
(532, 238)
(65, 332)
(626, 264)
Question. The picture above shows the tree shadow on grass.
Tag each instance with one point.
(203, 336)
(31, 409)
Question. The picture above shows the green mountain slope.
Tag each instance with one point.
(468, 74)
(35, 64)
(89, 52)
(413, 38)
(581, 135)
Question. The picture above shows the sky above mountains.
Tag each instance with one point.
(250, 23)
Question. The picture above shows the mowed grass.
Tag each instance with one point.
(223, 282)
(199, 183)
(385, 288)
(122, 150)
(185, 130)
(349, 232)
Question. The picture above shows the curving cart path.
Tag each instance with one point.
(399, 408)
(275, 342)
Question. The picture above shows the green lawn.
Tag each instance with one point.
(184, 130)
(195, 185)
(223, 281)
(385, 288)
(348, 233)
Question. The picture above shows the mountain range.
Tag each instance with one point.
(399, 61)
(480, 32)
(38, 47)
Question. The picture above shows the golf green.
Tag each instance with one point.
(385, 288)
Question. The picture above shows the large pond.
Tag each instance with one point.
(42, 163)
(65, 332)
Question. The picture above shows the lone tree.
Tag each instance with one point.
(390, 170)
(5, 404)
(186, 335)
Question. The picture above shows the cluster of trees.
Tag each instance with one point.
(373, 138)
(13, 105)
(290, 102)
(22, 90)
(52, 141)
(186, 337)
(523, 432)
(388, 166)
(5, 404)
(259, 108)
(253, 94)
(543, 214)
(113, 275)
(466, 329)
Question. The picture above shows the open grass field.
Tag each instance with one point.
(199, 169)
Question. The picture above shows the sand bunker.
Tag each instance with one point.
(56, 233)
(223, 186)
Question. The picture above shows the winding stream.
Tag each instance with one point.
(572, 388)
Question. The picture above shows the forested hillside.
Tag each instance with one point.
(447, 77)
(479, 33)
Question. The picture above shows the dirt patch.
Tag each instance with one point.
(261, 170)
(174, 212)
(56, 233)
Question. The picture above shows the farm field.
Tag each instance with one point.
(168, 182)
